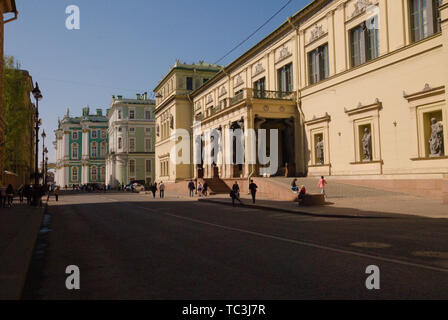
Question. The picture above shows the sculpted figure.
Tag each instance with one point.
(320, 150)
(366, 145)
(436, 139)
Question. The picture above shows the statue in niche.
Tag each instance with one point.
(320, 150)
(366, 145)
(171, 121)
(436, 139)
(158, 130)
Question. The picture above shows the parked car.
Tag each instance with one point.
(137, 187)
(129, 186)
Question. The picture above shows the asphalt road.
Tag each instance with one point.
(130, 246)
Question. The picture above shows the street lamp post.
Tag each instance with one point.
(38, 96)
(43, 135)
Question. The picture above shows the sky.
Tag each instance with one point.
(126, 47)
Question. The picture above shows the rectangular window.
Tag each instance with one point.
(364, 42)
(147, 131)
(424, 16)
(131, 114)
(131, 130)
(74, 174)
(120, 143)
(103, 134)
(132, 145)
(132, 167)
(148, 145)
(148, 166)
(75, 151)
(259, 88)
(75, 135)
(204, 80)
(189, 83)
(284, 76)
(119, 115)
(94, 173)
(148, 114)
(94, 134)
(318, 64)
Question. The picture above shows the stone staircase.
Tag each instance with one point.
(217, 186)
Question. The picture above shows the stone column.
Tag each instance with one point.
(444, 25)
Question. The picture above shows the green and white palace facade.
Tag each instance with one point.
(131, 140)
(81, 149)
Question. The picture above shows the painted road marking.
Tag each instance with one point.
(298, 242)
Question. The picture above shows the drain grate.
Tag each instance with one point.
(431, 254)
(376, 245)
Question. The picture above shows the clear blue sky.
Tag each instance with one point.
(126, 47)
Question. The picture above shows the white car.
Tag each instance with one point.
(136, 187)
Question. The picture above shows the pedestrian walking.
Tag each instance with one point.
(28, 193)
(235, 193)
(205, 188)
(20, 191)
(253, 190)
(321, 184)
(191, 188)
(153, 189)
(199, 189)
(56, 193)
(162, 189)
(10, 195)
(2, 196)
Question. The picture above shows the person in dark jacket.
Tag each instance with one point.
(253, 189)
(10, 195)
(191, 188)
(154, 189)
(235, 193)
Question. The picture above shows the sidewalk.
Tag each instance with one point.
(385, 206)
(19, 227)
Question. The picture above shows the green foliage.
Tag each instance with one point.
(17, 115)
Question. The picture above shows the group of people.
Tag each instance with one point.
(302, 190)
(32, 193)
(198, 188)
(153, 187)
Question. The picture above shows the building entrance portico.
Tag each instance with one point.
(231, 137)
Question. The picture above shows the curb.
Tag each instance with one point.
(255, 206)
(18, 258)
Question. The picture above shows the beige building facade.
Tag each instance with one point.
(363, 92)
(173, 112)
(355, 88)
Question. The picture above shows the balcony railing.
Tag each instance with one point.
(247, 93)
(278, 95)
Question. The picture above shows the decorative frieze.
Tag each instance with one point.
(360, 7)
(283, 53)
(238, 81)
(316, 33)
(258, 69)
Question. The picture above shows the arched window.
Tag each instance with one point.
(94, 151)
(74, 174)
(93, 173)
(74, 151)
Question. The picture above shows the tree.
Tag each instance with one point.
(16, 115)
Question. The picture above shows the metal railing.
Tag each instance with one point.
(277, 95)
